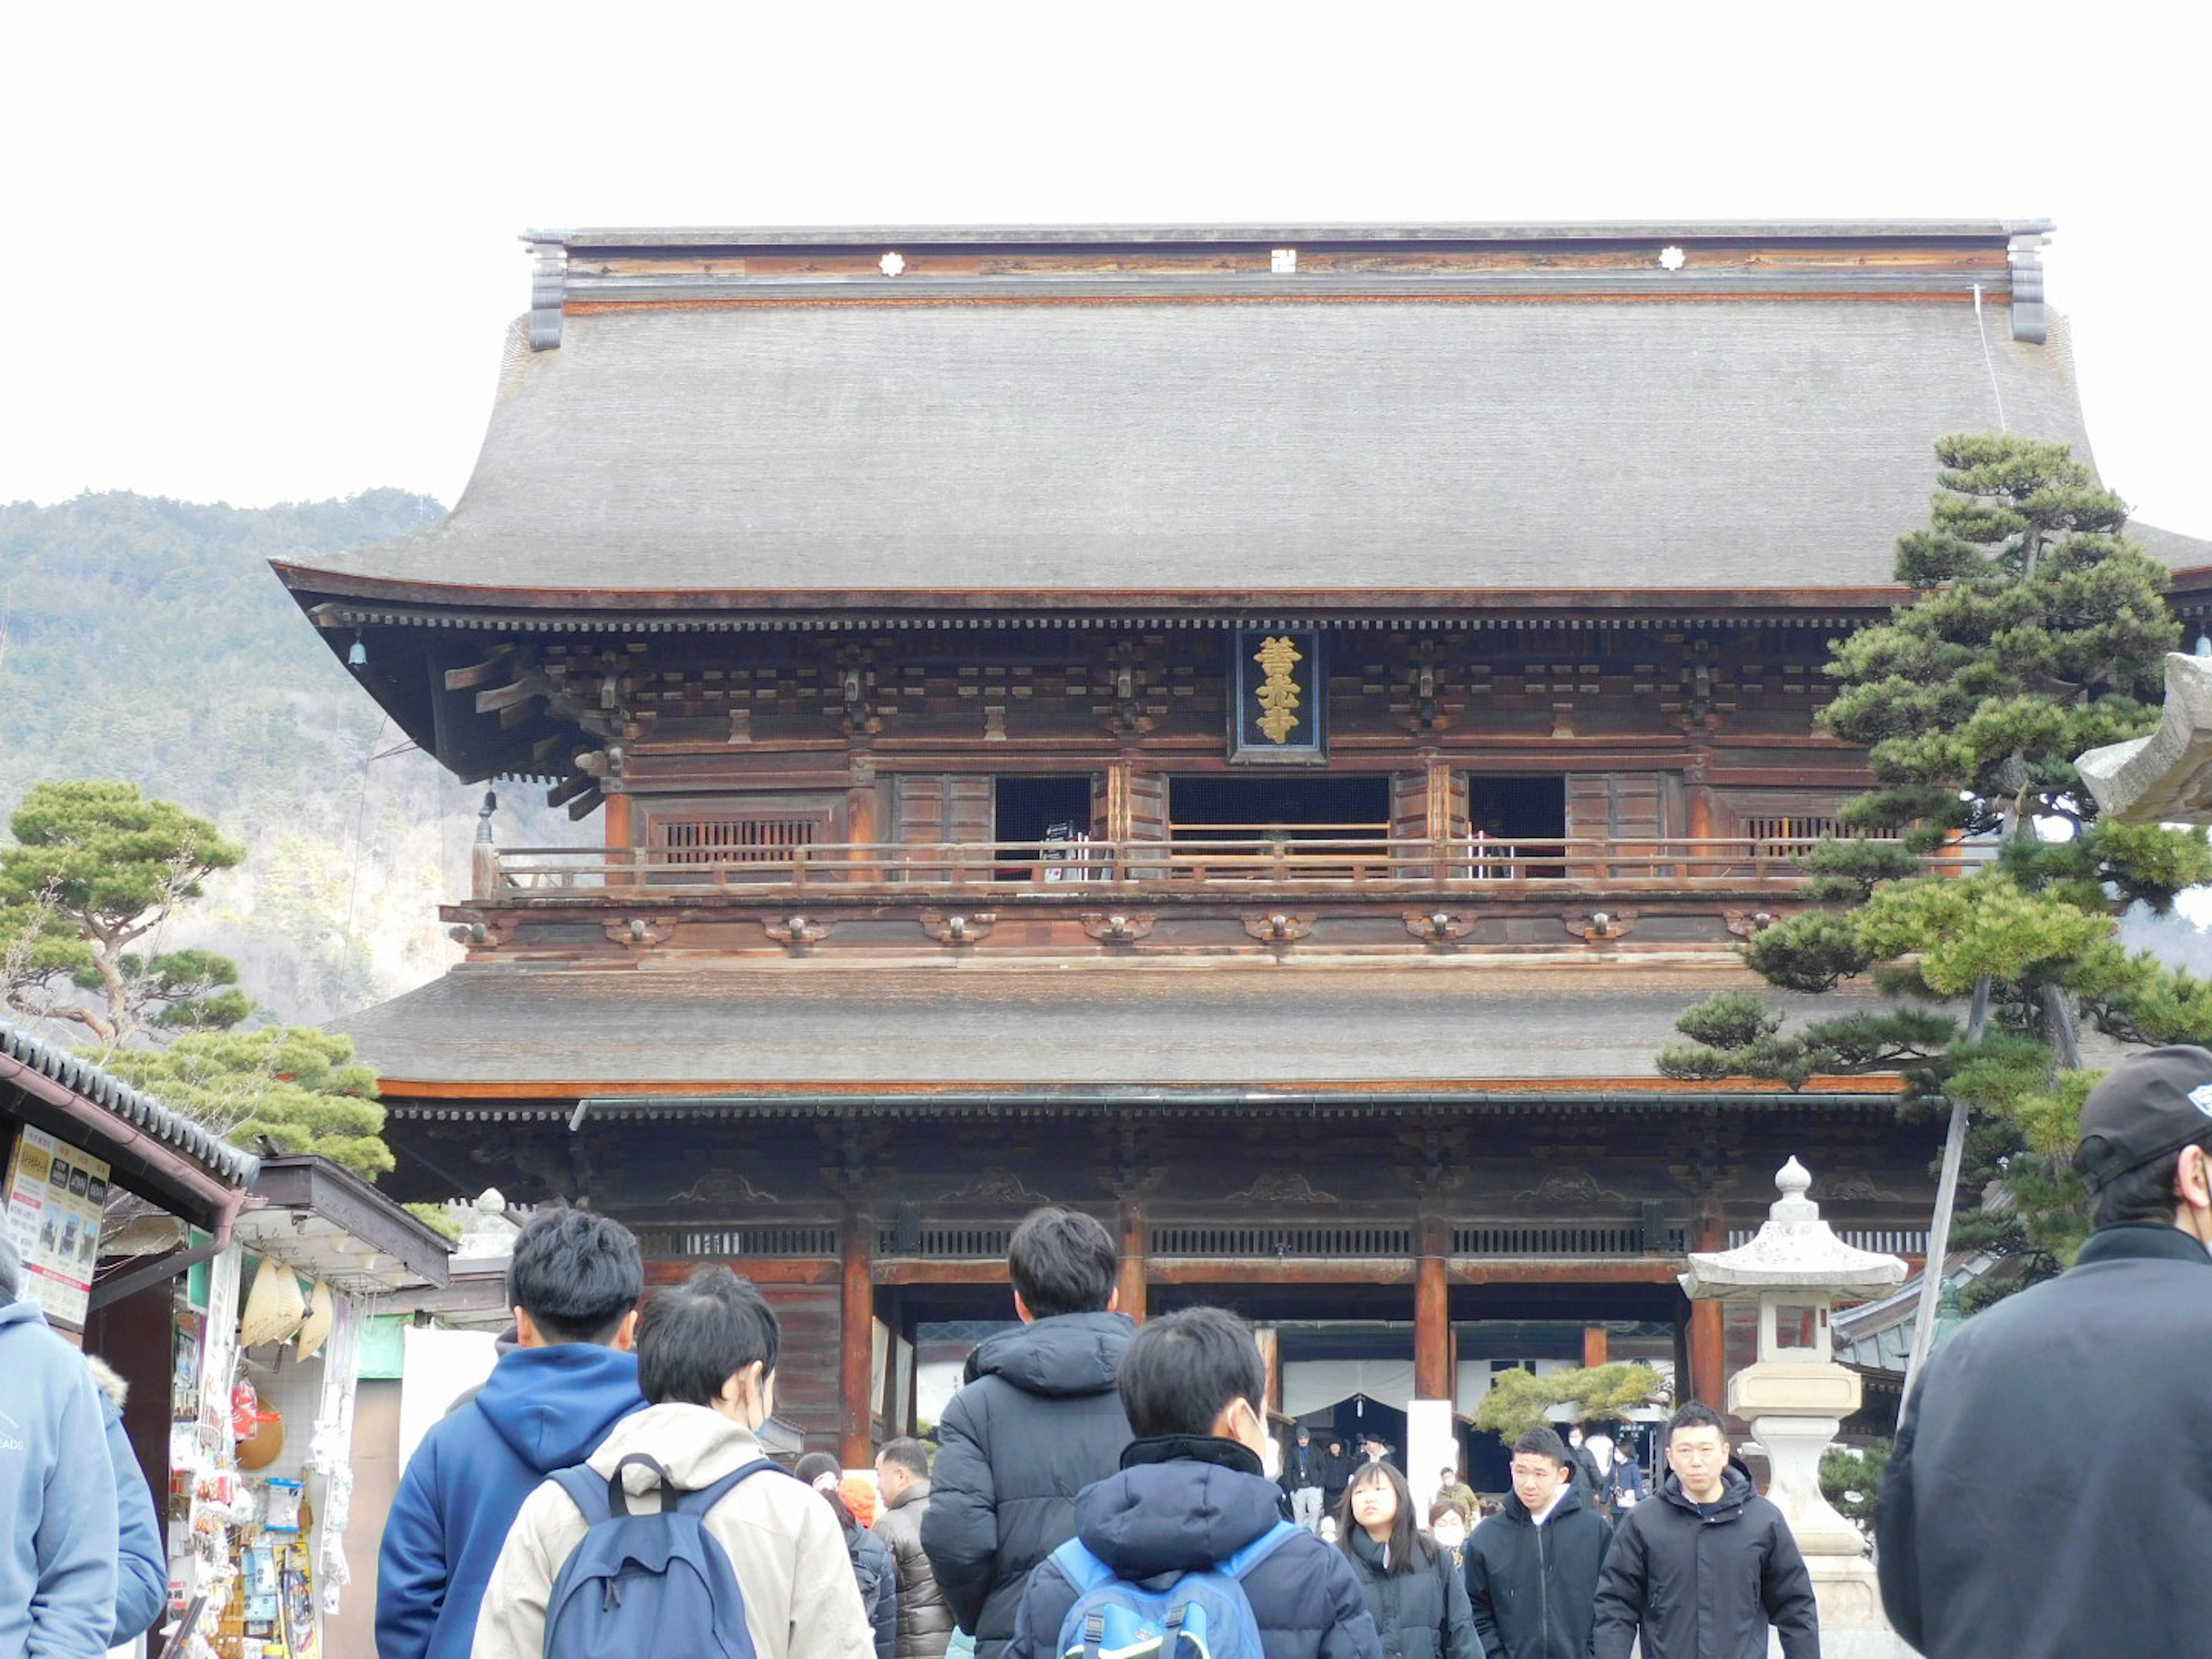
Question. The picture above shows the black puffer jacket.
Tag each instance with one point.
(1533, 1590)
(1038, 1422)
(878, 1576)
(1705, 1587)
(1183, 1505)
(925, 1623)
(1421, 1614)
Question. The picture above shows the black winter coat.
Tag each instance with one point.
(2048, 1492)
(1038, 1422)
(925, 1623)
(1701, 1587)
(878, 1576)
(1182, 1505)
(1421, 1614)
(1533, 1590)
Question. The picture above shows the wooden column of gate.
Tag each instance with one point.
(856, 1343)
(1131, 1283)
(1433, 1375)
(1708, 1330)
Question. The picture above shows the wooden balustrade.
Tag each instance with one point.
(1470, 867)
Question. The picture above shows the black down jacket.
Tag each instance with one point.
(1705, 1586)
(1533, 1590)
(925, 1623)
(1184, 1504)
(1421, 1614)
(1038, 1422)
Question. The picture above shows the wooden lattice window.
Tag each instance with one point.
(734, 839)
(1781, 834)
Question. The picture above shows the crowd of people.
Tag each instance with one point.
(1091, 1478)
(1102, 1490)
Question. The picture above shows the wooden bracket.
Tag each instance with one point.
(1121, 927)
(1439, 927)
(1599, 927)
(640, 932)
(966, 928)
(1278, 926)
(795, 934)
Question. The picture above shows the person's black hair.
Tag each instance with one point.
(811, 1468)
(1181, 1371)
(575, 1273)
(908, 1453)
(1544, 1442)
(1410, 1549)
(2144, 1194)
(1695, 1415)
(695, 1336)
(1062, 1261)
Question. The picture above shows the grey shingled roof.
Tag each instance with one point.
(1223, 447)
(1232, 1024)
(138, 1110)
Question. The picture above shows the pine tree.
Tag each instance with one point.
(2039, 630)
(96, 872)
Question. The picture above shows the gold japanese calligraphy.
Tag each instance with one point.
(1278, 694)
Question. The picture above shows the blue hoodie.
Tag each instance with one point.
(543, 1409)
(57, 1497)
(141, 1566)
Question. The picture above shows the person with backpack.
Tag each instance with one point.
(1188, 1532)
(873, 1569)
(573, 1285)
(1035, 1422)
(678, 1538)
(1411, 1585)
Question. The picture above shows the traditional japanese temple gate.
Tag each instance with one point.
(1255, 735)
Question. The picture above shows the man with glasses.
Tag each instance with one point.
(1532, 1574)
(1701, 1569)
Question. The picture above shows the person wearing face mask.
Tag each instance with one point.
(1448, 1528)
(1413, 1588)
(706, 1363)
(1532, 1574)
(2014, 1518)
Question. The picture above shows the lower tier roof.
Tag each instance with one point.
(509, 1031)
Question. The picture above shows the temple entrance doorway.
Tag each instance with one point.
(1288, 806)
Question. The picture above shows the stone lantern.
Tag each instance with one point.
(1796, 1396)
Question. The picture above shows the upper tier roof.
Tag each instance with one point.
(716, 420)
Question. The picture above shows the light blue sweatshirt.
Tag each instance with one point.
(58, 1526)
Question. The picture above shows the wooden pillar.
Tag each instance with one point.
(621, 823)
(1271, 1355)
(855, 1345)
(1593, 1346)
(1431, 1316)
(1708, 1331)
(1133, 1260)
(1119, 817)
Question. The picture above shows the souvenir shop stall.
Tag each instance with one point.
(262, 1450)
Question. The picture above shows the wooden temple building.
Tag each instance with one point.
(1252, 733)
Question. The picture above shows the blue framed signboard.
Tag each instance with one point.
(1279, 715)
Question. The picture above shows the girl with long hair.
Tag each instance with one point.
(873, 1570)
(1416, 1596)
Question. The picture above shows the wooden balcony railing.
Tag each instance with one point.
(1468, 867)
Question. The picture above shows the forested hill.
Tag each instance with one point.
(146, 640)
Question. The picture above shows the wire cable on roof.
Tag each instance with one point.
(1988, 361)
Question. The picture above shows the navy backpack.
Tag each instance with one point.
(656, 1583)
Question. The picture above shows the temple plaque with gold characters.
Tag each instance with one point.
(1280, 713)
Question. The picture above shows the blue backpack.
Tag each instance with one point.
(655, 1583)
(1187, 1615)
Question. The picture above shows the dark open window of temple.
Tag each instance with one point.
(1306, 807)
(1506, 812)
(1042, 809)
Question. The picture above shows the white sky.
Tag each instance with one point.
(257, 254)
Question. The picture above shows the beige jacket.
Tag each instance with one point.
(801, 1599)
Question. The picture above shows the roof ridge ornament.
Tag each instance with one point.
(2029, 322)
(549, 287)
